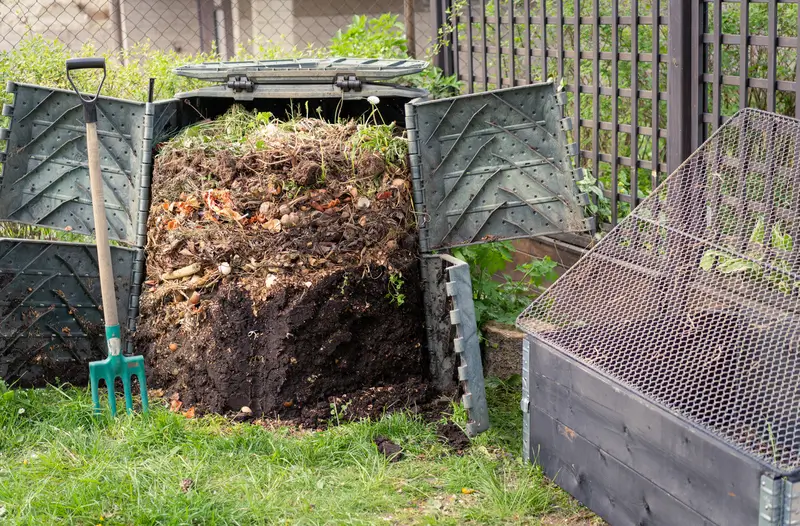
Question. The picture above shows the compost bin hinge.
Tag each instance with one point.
(239, 83)
(525, 403)
(770, 507)
(348, 83)
(791, 503)
(466, 345)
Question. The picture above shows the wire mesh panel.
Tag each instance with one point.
(693, 301)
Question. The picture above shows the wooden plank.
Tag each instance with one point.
(602, 483)
(700, 470)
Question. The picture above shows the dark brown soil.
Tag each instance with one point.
(502, 350)
(302, 349)
(453, 436)
(413, 395)
(389, 449)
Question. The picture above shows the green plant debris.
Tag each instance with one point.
(777, 274)
(395, 294)
(502, 298)
(58, 464)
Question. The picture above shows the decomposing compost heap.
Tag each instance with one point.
(282, 269)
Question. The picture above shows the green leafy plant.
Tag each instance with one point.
(437, 83)
(384, 37)
(498, 296)
(395, 294)
(339, 411)
(381, 37)
(727, 262)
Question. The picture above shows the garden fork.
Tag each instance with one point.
(116, 365)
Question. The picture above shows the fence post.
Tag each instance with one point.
(230, 42)
(679, 83)
(444, 58)
(411, 40)
(206, 24)
(121, 33)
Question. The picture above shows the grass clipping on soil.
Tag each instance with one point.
(268, 203)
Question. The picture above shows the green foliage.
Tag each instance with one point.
(395, 294)
(502, 299)
(383, 138)
(777, 274)
(22, 231)
(36, 60)
(59, 465)
(381, 37)
(438, 84)
(384, 37)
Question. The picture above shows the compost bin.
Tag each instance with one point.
(316, 293)
(661, 373)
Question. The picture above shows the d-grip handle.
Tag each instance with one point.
(86, 63)
(89, 108)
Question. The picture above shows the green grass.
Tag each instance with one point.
(59, 465)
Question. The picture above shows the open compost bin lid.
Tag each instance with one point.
(304, 71)
(329, 88)
(350, 78)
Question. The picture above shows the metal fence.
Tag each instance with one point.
(191, 26)
(630, 68)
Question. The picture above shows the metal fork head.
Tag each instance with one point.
(113, 367)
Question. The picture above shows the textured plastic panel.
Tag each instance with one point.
(467, 346)
(525, 401)
(493, 165)
(303, 71)
(693, 300)
(45, 179)
(51, 321)
(791, 500)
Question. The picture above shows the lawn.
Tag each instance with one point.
(59, 465)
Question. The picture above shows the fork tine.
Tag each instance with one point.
(95, 383)
(112, 398)
(126, 387)
(142, 388)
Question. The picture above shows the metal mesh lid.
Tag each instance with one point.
(307, 70)
(694, 299)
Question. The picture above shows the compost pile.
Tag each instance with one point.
(281, 269)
